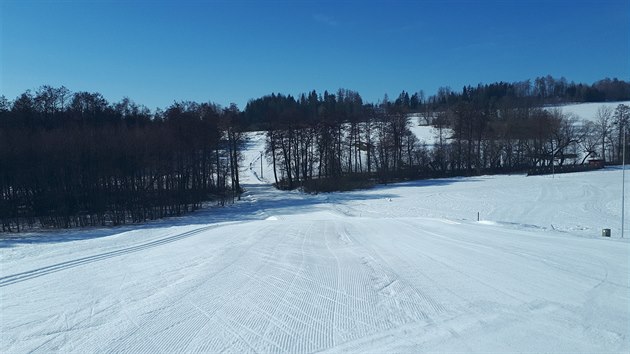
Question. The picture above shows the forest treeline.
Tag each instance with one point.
(337, 141)
(75, 159)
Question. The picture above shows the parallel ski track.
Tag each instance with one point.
(36, 273)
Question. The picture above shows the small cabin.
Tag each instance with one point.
(596, 163)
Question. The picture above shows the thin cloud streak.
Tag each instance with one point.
(326, 20)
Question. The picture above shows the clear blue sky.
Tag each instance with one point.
(156, 52)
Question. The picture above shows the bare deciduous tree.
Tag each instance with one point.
(603, 125)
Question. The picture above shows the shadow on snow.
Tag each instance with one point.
(258, 202)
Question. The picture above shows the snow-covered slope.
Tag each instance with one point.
(399, 268)
(427, 134)
(588, 111)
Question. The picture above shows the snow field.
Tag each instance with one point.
(356, 284)
(588, 111)
(578, 203)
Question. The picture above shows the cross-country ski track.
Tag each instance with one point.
(399, 268)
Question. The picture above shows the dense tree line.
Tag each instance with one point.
(333, 141)
(544, 90)
(505, 135)
(73, 159)
(325, 138)
(510, 127)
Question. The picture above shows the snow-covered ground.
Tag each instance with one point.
(399, 268)
(588, 111)
(427, 134)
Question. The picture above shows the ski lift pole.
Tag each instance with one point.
(553, 158)
(623, 183)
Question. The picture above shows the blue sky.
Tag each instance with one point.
(156, 52)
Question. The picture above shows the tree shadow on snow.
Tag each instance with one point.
(259, 202)
(430, 182)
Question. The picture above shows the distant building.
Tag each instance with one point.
(596, 163)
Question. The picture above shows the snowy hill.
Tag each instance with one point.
(588, 111)
(399, 268)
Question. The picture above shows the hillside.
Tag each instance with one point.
(588, 111)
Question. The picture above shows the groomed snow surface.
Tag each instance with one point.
(399, 268)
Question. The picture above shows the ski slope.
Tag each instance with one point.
(399, 268)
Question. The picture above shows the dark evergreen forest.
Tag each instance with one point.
(75, 159)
